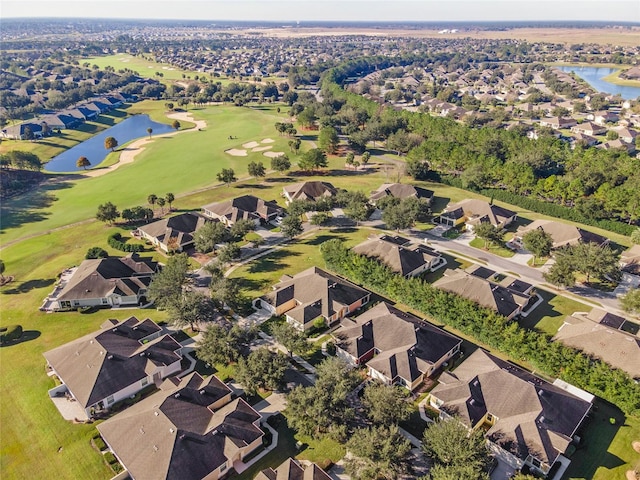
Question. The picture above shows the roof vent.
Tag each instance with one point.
(171, 430)
(202, 392)
(476, 383)
(156, 414)
(541, 418)
(109, 357)
(177, 395)
(155, 448)
(540, 392)
(141, 430)
(473, 401)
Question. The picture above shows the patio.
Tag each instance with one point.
(68, 407)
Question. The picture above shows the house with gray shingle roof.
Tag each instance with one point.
(246, 207)
(526, 420)
(310, 191)
(104, 282)
(173, 233)
(561, 233)
(292, 470)
(400, 255)
(473, 211)
(401, 191)
(397, 347)
(112, 364)
(190, 430)
(313, 294)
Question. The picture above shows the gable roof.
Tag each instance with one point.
(103, 277)
(176, 433)
(483, 292)
(617, 348)
(400, 190)
(478, 211)
(562, 233)
(244, 207)
(104, 362)
(532, 416)
(406, 346)
(181, 227)
(399, 258)
(292, 470)
(631, 260)
(317, 293)
(310, 190)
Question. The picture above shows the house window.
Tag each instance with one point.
(145, 381)
(489, 417)
(110, 400)
(103, 301)
(76, 303)
(223, 467)
(65, 304)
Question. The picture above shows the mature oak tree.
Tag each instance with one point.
(386, 405)
(538, 242)
(227, 175)
(110, 143)
(262, 369)
(107, 212)
(377, 453)
(83, 162)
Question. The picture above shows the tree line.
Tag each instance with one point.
(489, 328)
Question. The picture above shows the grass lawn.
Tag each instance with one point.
(145, 68)
(493, 248)
(258, 276)
(550, 314)
(607, 454)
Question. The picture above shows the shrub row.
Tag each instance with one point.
(115, 241)
(489, 327)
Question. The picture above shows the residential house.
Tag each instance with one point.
(190, 430)
(586, 139)
(310, 191)
(561, 233)
(246, 207)
(104, 282)
(618, 144)
(558, 123)
(612, 345)
(397, 347)
(401, 255)
(626, 135)
(472, 212)
(401, 191)
(112, 364)
(526, 420)
(630, 260)
(603, 117)
(313, 294)
(173, 233)
(589, 128)
(20, 132)
(292, 470)
(506, 301)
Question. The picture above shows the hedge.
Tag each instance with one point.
(10, 333)
(488, 327)
(115, 241)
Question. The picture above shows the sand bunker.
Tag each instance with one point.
(236, 152)
(261, 149)
(273, 154)
(268, 140)
(636, 446)
(251, 145)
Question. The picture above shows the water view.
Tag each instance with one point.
(594, 77)
(127, 130)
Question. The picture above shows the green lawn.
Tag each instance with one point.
(607, 453)
(550, 314)
(493, 248)
(257, 277)
(145, 68)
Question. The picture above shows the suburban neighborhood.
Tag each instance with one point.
(347, 251)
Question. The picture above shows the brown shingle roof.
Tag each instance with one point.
(402, 191)
(478, 211)
(244, 207)
(181, 227)
(619, 349)
(562, 233)
(292, 470)
(401, 259)
(310, 190)
(532, 416)
(175, 434)
(104, 362)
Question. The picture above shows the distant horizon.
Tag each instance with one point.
(349, 11)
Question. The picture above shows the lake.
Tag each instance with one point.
(594, 77)
(129, 129)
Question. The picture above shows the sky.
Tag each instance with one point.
(330, 10)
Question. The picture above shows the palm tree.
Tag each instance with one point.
(1, 270)
(169, 197)
(161, 203)
(152, 199)
(149, 131)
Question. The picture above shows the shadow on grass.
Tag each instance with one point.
(27, 208)
(27, 336)
(320, 239)
(251, 186)
(29, 285)
(599, 432)
(272, 262)
(439, 203)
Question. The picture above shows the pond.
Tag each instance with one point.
(129, 129)
(594, 77)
